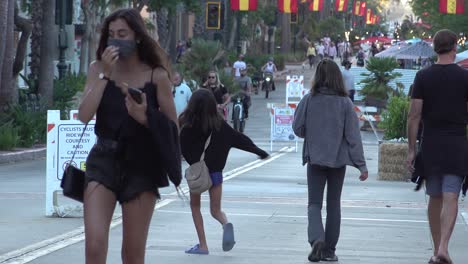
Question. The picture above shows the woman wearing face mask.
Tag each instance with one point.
(125, 165)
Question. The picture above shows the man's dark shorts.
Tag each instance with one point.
(436, 185)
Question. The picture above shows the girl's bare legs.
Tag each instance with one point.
(216, 193)
(136, 217)
(195, 205)
(99, 205)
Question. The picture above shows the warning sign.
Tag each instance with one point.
(69, 141)
(283, 118)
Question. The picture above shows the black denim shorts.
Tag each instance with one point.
(104, 167)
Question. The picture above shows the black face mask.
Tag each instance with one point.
(126, 47)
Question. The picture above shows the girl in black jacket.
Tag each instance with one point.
(200, 120)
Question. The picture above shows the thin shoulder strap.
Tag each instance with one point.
(207, 143)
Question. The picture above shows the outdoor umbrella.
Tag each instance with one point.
(390, 52)
(416, 51)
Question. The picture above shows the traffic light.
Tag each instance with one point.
(293, 18)
(213, 15)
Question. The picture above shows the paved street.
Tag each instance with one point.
(382, 222)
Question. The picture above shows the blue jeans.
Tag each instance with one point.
(317, 177)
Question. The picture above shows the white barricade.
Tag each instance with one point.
(62, 138)
(282, 117)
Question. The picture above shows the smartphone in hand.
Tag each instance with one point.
(135, 94)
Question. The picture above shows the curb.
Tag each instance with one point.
(22, 155)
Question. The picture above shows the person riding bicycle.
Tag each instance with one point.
(245, 84)
(270, 68)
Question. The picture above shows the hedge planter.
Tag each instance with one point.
(392, 161)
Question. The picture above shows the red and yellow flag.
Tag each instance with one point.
(369, 16)
(341, 5)
(244, 5)
(357, 7)
(316, 5)
(287, 6)
(452, 6)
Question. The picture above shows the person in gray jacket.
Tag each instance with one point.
(325, 118)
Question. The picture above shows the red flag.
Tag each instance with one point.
(363, 9)
(316, 5)
(452, 6)
(244, 5)
(341, 5)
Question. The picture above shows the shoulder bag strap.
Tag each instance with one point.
(207, 143)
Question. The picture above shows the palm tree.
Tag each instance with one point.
(376, 83)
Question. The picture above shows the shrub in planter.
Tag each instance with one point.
(392, 154)
(394, 118)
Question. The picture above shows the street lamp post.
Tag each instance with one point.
(62, 37)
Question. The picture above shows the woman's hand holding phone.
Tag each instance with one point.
(137, 110)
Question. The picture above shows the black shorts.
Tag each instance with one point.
(104, 167)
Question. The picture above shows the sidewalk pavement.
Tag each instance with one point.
(382, 222)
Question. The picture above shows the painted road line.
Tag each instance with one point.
(361, 219)
(34, 251)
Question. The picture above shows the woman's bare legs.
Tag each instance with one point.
(136, 217)
(99, 205)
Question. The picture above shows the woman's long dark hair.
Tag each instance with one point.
(202, 112)
(328, 76)
(148, 49)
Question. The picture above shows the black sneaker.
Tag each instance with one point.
(329, 256)
(315, 254)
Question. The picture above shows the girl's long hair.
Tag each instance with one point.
(328, 76)
(148, 49)
(201, 112)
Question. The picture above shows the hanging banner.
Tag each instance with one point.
(287, 6)
(369, 16)
(362, 12)
(452, 6)
(244, 5)
(357, 8)
(316, 5)
(341, 5)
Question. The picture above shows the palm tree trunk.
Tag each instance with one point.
(7, 87)
(35, 55)
(48, 46)
(25, 26)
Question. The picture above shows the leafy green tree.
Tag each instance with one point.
(376, 83)
(204, 56)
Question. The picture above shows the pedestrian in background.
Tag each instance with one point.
(181, 93)
(239, 64)
(332, 140)
(198, 122)
(219, 91)
(348, 79)
(125, 164)
(444, 148)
